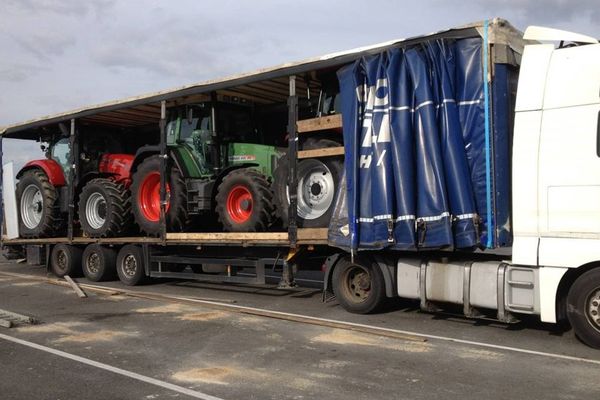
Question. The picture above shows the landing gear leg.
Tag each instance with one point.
(289, 271)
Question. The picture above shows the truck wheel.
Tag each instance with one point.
(318, 181)
(145, 194)
(39, 213)
(583, 307)
(130, 265)
(245, 201)
(65, 260)
(358, 286)
(104, 208)
(99, 263)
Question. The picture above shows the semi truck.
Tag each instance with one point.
(455, 168)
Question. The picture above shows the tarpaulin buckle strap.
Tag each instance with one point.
(421, 228)
(390, 226)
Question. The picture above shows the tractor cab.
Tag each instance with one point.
(210, 148)
(59, 151)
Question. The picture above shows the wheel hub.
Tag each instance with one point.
(357, 284)
(61, 260)
(32, 206)
(239, 204)
(129, 265)
(149, 197)
(93, 263)
(316, 189)
(95, 210)
(593, 309)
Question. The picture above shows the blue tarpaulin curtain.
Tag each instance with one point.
(415, 166)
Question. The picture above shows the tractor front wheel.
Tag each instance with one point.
(104, 208)
(245, 201)
(39, 213)
(145, 195)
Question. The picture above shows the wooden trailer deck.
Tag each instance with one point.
(306, 236)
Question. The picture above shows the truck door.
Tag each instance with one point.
(569, 153)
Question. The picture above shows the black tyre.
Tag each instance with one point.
(583, 307)
(145, 198)
(39, 213)
(65, 260)
(245, 201)
(99, 263)
(105, 208)
(318, 182)
(130, 265)
(359, 287)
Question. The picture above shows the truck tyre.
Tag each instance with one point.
(318, 181)
(583, 307)
(39, 212)
(359, 287)
(145, 197)
(130, 265)
(245, 201)
(65, 259)
(104, 208)
(99, 263)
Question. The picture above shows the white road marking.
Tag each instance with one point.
(106, 367)
(372, 327)
(396, 331)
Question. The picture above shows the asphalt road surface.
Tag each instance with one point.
(123, 347)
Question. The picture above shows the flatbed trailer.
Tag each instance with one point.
(519, 267)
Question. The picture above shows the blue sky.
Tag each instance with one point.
(57, 55)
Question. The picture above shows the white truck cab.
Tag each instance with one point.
(554, 271)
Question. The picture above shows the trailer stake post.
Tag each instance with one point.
(163, 171)
(293, 163)
(72, 178)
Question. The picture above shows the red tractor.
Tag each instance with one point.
(104, 202)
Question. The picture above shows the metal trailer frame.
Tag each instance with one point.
(144, 109)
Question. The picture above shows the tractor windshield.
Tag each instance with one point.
(60, 153)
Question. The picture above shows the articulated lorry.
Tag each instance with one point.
(457, 168)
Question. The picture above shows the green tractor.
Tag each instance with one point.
(225, 173)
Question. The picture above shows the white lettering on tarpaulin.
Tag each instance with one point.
(375, 100)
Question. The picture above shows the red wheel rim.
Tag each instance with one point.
(239, 204)
(149, 197)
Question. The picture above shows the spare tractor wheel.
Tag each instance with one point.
(104, 208)
(318, 181)
(99, 263)
(145, 195)
(39, 213)
(65, 259)
(245, 201)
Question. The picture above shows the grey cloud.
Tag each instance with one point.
(60, 7)
(44, 46)
(20, 72)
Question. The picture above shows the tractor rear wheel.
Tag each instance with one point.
(104, 208)
(39, 212)
(318, 181)
(145, 194)
(245, 201)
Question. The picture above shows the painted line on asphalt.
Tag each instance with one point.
(116, 370)
(296, 317)
(370, 329)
